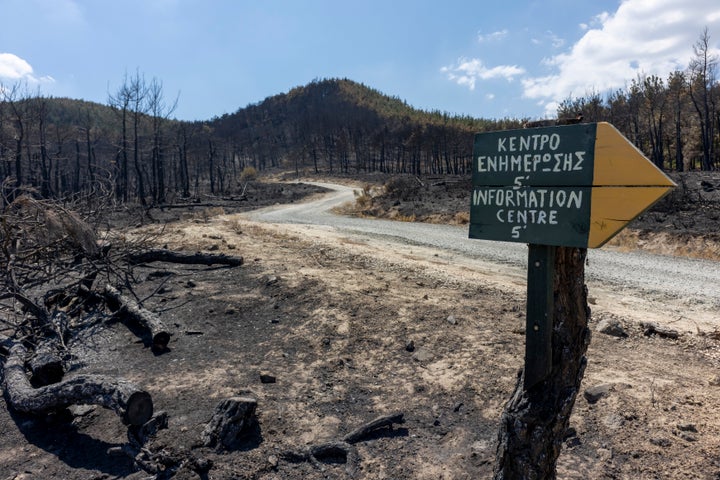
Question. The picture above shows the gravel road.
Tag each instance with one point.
(661, 278)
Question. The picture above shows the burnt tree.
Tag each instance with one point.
(535, 420)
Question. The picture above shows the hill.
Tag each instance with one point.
(338, 125)
(132, 150)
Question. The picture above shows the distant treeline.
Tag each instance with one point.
(132, 150)
(343, 126)
(675, 122)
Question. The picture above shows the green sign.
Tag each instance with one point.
(572, 185)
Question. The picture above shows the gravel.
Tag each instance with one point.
(645, 274)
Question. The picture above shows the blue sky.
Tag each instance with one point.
(480, 58)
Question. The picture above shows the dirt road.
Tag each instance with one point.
(673, 291)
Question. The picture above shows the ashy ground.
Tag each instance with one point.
(352, 330)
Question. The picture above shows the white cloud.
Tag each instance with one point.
(498, 35)
(550, 37)
(649, 37)
(467, 72)
(15, 69)
(596, 21)
(555, 41)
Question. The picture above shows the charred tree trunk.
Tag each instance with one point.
(45, 364)
(18, 158)
(124, 177)
(76, 173)
(133, 406)
(163, 255)
(232, 417)
(146, 318)
(211, 164)
(535, 421)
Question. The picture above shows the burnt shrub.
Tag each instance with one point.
(403, 188)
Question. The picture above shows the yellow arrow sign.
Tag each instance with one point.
(625, 184)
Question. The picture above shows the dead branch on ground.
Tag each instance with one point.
(46, 364)
(127, 306)
(651, 328)
(343, 451)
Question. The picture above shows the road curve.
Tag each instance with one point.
(692, 281)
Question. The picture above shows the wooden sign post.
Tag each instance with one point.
(573, 186)
(561, 190)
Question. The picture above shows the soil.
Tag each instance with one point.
(353, 330)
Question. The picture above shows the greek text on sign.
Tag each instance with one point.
(574, 185)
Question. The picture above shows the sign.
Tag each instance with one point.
(573, 185)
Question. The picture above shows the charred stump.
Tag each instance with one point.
(132, 405)
(232, 417)
(146, 318)
(535, 420)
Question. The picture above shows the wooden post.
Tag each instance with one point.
(538, 334)
(535, 419)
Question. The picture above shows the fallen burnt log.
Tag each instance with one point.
(127, 306)
(132, 405)
(332, 452)
(46, 365)
(199, 258)
(5, 344)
